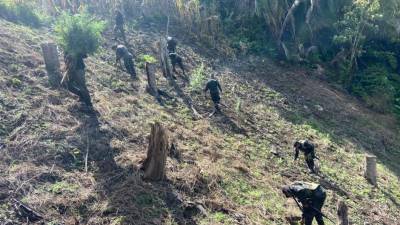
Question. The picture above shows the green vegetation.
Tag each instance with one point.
(198, 78)
(148, 58)
(143, 58)
(355, 39)
(238, 105)
(62, 187)
(222, 218)
(79, 34)
(20, 12)
(15, 82)
(345, 36)
(145, 200)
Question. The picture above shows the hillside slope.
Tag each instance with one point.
(233, 164)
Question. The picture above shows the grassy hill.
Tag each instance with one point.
(233, 164)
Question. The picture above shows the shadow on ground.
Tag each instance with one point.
(129, 198)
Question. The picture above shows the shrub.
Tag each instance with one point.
(27, 16)
(375, 88)
(20, 12)
(79, 34)
(198, 78)
(15, 82)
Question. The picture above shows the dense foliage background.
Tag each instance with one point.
(356, 40)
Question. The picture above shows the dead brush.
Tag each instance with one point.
(25, 146)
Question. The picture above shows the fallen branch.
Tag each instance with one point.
(25, 212)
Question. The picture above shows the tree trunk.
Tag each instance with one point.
(151, 80)
(370, 169)
(289, 16)
(50, 55)
(308, 19)
(154, 165)
(342, 213)
(166, 69)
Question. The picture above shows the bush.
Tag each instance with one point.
(198, 78)
(15, 82)
(20, 13)
(375, 88)
(79, 34)
(395, 81)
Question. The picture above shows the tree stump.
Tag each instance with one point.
(151, 80)
(370, 169)
(166, 69)
(50, 55)
(154, 165)
(342, 213)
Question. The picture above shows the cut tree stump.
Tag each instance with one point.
(370, 169)
(151, 80)
(50, 55)
(342, 213)
(154, 165)
(166, 69)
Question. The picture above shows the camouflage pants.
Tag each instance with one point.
(130, 67)
(119, 31)
(314, 211)
(216, 100)
(176, 60)
(310, 162)
(77, 85)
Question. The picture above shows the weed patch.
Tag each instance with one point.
(63, 187)
(19, 12)
(198, 78)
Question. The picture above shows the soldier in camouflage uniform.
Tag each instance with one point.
(214, 87)
(121, 52)
(312, 198)
(308, 149)
(119, 29)
(75, 77)
(173, 56)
